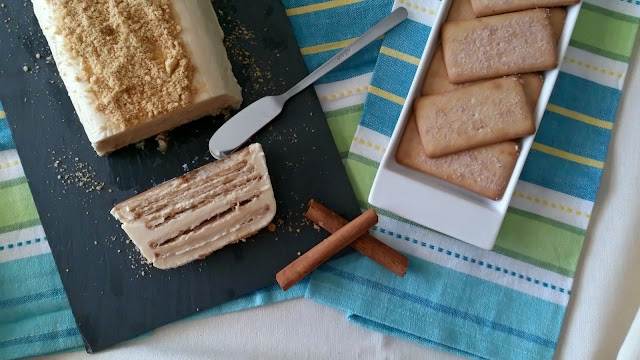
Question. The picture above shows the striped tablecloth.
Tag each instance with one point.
(500, 304)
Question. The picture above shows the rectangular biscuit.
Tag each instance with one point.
(460, 10)
(499, 45)
(495, 7)
(557, 17)
(485, 170)
(474, 116)
(532, 83)
(436, 81)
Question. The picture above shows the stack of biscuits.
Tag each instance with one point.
(480, 91)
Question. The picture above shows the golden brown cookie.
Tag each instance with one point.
(499, 45)
(494, 7)
(532, 83)
(476, 115)
(460, 10)
(485, 171)
(436, 81)
(557, 17)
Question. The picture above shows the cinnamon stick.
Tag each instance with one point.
(366, 244)
(330, 246)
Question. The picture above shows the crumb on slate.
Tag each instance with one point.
(163, 142)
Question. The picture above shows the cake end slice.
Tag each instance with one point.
(191, 216)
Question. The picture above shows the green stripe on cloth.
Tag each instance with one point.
(19, 225)
(529, 238)
(549, 221)
(17, 209)
(529, 260)
(610, 13)
(12, 182)
(343, 124)
(615, 44)
(360, 175)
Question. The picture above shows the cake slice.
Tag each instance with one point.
(136, 68)
(191, 216)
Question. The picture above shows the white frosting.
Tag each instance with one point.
(202, 36)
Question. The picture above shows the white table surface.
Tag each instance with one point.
(606, 292)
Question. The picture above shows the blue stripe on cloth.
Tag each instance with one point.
(24, 294)
(48, 336)
(6, 141)
(371, 11)
(41, 333)
(561, 175)
(15, 281)
(401, 69)
(419, 33)
(586, 97)
(380, 114)
(361, 63)
(32, 297)
(441, 306)
(573, 136)
(447, 310)
(342, 25)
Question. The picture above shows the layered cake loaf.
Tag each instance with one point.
(136, 68)
(191, 216)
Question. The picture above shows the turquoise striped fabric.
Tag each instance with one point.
(508, 303)
(35, 317)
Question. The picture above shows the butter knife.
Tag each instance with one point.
(237, 130)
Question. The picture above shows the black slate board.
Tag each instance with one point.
(113, 296)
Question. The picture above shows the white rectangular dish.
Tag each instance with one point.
(435, 203)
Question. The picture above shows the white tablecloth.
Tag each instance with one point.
(606, 292)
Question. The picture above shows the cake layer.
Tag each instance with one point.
(191, 216)
(139, 67)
